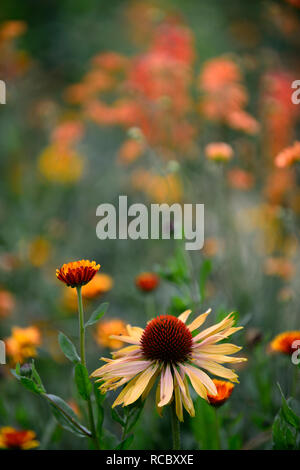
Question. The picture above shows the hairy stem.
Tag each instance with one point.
(83, 362)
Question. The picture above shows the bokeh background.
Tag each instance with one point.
(123, 97)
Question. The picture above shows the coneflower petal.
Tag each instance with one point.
(166, 386)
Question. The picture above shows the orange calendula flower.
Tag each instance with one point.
(285, 342)
(224, 390)
(147, 281)
(172, 352)
(22, 343)
(77, 273)
(288, 156)
(11, 438)
(107, 328)
(219, 151)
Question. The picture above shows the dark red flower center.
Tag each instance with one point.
(166, 339)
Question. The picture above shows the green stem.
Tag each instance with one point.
(175, 427)
(83, 362)
(217, 430)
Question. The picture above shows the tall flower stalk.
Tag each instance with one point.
(83, 362)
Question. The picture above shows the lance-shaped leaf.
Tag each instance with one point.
(82, 380)
(97, 314)
(68, 348)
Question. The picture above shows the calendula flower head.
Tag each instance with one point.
(224, 390)
(170, 351)
(11, 438)
(77, 273)
(22, 343)
(106, 329)
(219, 151)
(147, 281)
(286, 342)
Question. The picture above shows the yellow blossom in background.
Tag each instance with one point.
(158, 188)
(11, 438)
(61, 164)
(107, 328)
(7, 303)
(39, 251)
(22, 343)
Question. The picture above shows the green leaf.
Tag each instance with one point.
(82, 381)
(65, 416)
(116, 417)
(133, 416)
(31, 385)
(288, 414)
(68, 348)
(126, 443)
(284, 437)
(97, 314)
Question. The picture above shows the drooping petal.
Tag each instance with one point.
(205, 379)
(140, 385)
(197, 384)
(178, 401)
(166, 386)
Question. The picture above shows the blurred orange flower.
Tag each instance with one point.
(12, 29)
(130, 151)
(7, 303)
(280, 267)
(219, 151)
(284, 342)
(22, 343)
(77, 273)
(224, 390)
(288, 156)
(240, 179)
(11, 438)
(107, 328)
(147, 281)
